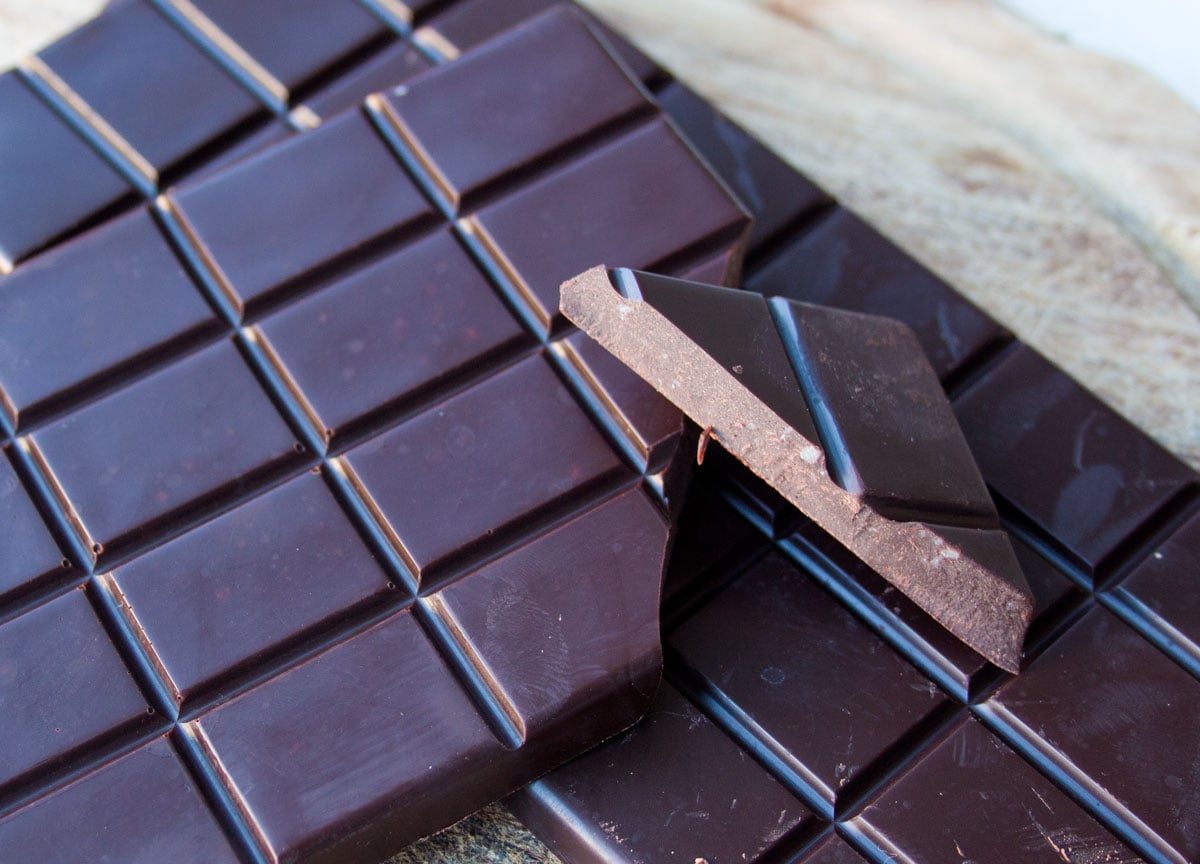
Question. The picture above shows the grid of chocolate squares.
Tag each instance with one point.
(322, 526)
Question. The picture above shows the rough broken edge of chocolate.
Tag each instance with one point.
(968, 597)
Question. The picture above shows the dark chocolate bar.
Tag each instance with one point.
(842, 414)
(295, 494)
(1079, 758)
(817, 252)
(152, 92)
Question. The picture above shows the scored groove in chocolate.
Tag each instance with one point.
(906, 631)
(561, 810)
(145, 621)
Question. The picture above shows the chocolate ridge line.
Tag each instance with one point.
(125, 632)
(593, 303)
(280, 104)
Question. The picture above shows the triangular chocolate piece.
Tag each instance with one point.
(854, 430)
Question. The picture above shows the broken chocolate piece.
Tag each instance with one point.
(842, 414)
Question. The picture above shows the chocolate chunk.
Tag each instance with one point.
(52, 182)
(880, 420)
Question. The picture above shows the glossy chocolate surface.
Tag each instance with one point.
(427, 303)
(96, 806)
(1085, 477)
(30, 552)
(116, 300)
(296, 40)
(842, 261)
(466, 446)
(502, 127)
(103, 815)
(1062, 776)
(972, 798)
(166, 447)
(621, 199)
(248, 584)
(777, 194)
(861, 698)
(184, 99)
(57, 658)
(710, 801)
(1129, 705)
(271, 221)
(52, 182)
(224, 596)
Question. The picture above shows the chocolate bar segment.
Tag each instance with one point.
(276, 220)
(972, 798)
(1073, 469)
(103, 815)
(184, 99)
(313, 792)
(860, 699)
(167, 448)
(294, 40)
(30, 553)
(427, 303)
(1100, 700)
(228, 595)
(709, 800)
(56, 658)
(467, 447)
(1161, 594)
(53, 182)
(861, 377)
(80, 296)
(500, 130)
(306, 780)
(624, 197)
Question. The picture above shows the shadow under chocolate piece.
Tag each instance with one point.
(843, 415)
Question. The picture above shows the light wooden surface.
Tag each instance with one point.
(1058, 189)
